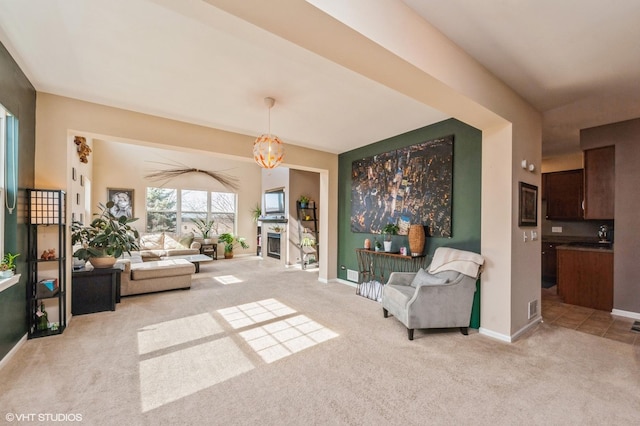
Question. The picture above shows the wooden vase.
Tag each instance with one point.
(416, 239)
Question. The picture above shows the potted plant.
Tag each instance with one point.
(230, 241)
(204, 226)
(388, 230)
(307, 241)
(8, 265)
(377, 245)
(304, 201)
(256, 212)
(105, 238)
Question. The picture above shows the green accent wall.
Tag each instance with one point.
(18, 96)
(467, 186)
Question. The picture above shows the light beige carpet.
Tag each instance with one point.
(252, 343)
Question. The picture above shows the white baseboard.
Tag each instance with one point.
(513, 337)
(345, 282)
(626, 314)
(534, 322)
(495, 335)
(13, 351)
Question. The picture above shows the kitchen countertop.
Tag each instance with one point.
(578, 243)
(603, 247)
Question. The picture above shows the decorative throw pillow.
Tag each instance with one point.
(186, 240)
(152, 241)
(424, 278)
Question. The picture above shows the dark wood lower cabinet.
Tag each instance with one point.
(95, 290)
(585, 278)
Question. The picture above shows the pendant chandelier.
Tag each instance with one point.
(268, 149)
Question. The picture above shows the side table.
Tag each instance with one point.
(210, 250)
(95, 290)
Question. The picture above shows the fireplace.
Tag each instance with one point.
(273, 245)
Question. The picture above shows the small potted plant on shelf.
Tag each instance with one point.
(304, 201)
(256, 212)
(205, 227)
(377, 245)
(230, 241)
(8, 265)
(388, 230)
(105, 238)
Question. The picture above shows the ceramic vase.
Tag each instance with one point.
(102, 262)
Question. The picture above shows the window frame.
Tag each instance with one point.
(208, 215)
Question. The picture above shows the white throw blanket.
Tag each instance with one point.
(448, 259)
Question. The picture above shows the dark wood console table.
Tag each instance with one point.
(95, 290)
(374, 268)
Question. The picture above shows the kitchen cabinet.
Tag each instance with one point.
(549, 261)
(599, 183)
(564, 194)
(585, 277)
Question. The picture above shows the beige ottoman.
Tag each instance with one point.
(158, 275)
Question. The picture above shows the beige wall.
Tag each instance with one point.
(438, 73)
(430, 69)
(626, 268)
(122, 165)
(58, 119)
(562, 162)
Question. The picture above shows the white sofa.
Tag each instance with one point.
(155, 246)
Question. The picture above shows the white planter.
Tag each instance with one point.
(6, 274)
(387, 245)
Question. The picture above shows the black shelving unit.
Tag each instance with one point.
(307, 227)
(46, 209)
(259, 240)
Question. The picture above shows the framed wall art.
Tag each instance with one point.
(410, 185)
(528, 205)
(122, 202)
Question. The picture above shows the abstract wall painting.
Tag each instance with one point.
(411, 185)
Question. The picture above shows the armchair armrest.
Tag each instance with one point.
(195, 245)
(401, 278)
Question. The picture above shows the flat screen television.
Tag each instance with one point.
(274, 202)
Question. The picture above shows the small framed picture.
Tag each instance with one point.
(528, 205)
(122, 202)
(73, 174)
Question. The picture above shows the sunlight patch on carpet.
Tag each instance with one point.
(255, 312)
(175, 332)
(227, 279)
(283, 338)
(169, 377)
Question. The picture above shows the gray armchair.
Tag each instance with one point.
(438, 300)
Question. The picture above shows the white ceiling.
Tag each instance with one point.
(578, 61)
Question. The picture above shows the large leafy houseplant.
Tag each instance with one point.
(230, 241)
(105, 236)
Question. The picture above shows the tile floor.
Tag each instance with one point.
(586, 320)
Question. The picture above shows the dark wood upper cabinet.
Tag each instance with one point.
(564, 194)
(599, 183)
